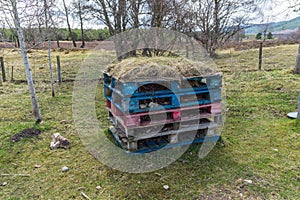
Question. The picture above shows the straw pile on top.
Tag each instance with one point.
(154, 68)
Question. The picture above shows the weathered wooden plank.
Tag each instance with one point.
(175, 140)
(156, 118)
(298, 116)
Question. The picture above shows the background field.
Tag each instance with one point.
(259, 142)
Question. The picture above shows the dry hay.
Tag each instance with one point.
(145, 68)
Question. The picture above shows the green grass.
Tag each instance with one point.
(259, 142)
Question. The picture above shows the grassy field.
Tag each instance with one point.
(259, 142)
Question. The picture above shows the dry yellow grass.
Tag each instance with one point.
(157, 67)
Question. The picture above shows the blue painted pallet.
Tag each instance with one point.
(154, 145)
(188, 84)
(167, 101)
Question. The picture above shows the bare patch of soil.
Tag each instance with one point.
(26, 133)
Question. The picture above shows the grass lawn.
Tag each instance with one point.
(259, 143)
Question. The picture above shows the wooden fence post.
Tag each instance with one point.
(8, 74)
(260, 55)
(298, 116)
(58, 69)
(3, 69)
(12, 74)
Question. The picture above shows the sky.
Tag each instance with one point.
(277, 10)
(272, 11)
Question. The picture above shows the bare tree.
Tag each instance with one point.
(216, 21)
(157, 10)
(116, 15)
(134, 13)
(212, 22)
(295, 5)
(46, 13)
(11, 6)
(112, 13)
(79, 6)
(66, 10)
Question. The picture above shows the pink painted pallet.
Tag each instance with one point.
(148, 125)
(170, 130)
(155, 118)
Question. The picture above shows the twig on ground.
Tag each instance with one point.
(85, 196)
(24, 175)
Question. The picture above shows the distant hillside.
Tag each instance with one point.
(275, 27)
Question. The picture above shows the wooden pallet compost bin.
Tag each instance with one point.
(157, 101)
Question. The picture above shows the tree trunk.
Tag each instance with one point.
(68, 23)
(57, 41)
(297, 67)
(34, 101)
(49, 47)
(81, 25)
(216, 28)
(16, 39)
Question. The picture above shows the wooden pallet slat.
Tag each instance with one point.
(188, 84)
(140, 132)
(166, 101)
(168, 141)
(173, 115)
